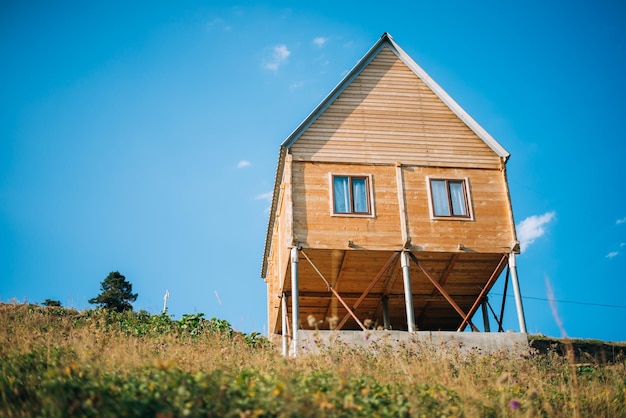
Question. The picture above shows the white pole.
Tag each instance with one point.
(165, 298)
(283, 303)
(518, 295)
(408, 293)
(295, 308)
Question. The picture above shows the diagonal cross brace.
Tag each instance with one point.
(380, 274)
(345, 305)
(480, 297)
(443, 292)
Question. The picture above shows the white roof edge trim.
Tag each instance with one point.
(449, 101)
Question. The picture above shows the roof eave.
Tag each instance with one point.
(272, 218)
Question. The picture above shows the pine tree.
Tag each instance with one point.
(115, 293)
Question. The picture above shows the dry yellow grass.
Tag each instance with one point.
(337, 380)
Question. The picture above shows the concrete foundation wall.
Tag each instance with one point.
(484, 342)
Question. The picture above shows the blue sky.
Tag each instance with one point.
(143, 138)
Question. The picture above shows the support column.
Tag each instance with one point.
(386, 323)
(295, 303)
(483, 305)
(283, 308)
(408, 292)
(518, 295)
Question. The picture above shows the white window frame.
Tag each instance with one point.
(468, 196)
(370, 191)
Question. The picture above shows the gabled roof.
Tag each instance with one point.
(385, 41)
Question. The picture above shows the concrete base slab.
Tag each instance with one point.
(483, 342)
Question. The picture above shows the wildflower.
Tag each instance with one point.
(367, 323)
(514, 404)
(311, 320)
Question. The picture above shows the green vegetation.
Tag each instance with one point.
(60, 362)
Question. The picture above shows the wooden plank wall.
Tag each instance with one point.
(278, 262)
(490, 231)
(388, 114)
(314, 226)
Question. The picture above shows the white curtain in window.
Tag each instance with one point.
(458, 199)
(341, 194)
(359, 194)
(440, 198)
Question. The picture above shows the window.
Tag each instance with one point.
(449, 198)
(351, 195)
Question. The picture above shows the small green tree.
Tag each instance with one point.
(115, 293)
(51, 302)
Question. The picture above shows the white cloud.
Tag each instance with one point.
(218, 23)
(296, 85)
(320, 41)
(620, 221)
(243, 164)
(280, 53)
(532, 228)
(265, 196)
(613, 254)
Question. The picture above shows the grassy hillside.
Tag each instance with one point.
(60, 362)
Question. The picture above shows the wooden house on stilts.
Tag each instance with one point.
(391, 209)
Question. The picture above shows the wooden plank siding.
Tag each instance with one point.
(388, 114)
(315, 227)
(282, 237)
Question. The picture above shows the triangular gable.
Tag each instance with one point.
(387, 41)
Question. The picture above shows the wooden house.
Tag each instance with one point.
(391, 208)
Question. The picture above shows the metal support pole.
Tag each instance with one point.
(283, 307)
(408, 292)
(485, 315)
(295, 303)
(518, 295)
(386, 324)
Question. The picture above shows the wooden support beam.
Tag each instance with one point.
(406, 240)
(423, 297)
(485, 290)
(345, 305)
(380, 274)
(441, 290)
